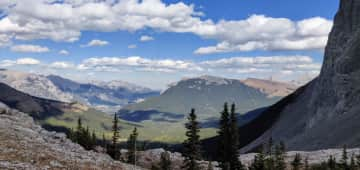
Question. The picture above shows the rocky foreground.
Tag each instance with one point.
(25, 145)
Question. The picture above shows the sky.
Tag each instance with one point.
(154, 43)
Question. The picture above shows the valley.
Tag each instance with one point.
(140, 85)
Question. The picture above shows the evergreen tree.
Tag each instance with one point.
(113, 149)
(223, 143)
(79, 132)
(280, 157)
(344, 159)
(71, 135)
(296, 163)
(270, 162)
(270, 146)
(235, 163)
(93, 140)
(165, 162)
(352, 163)
(103, 142)
(192, 143)
(358, 161)
(306, 164)
(259, 161)
(331, 164)
(131, 146)
(87, 139)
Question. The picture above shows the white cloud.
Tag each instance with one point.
(20, 61)
(132, 46)
(270, 65)
(96, 43)
(27, 61)
(26, 48)
(61, 65)
(259, 32)
(64, 52)
(240, 65)
(145, 38)
(34, 19)
(139, 63)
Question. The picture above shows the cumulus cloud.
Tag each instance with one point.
(241, 65)
(62, 65)
(20, 61)
(26, 48)
(27, 61)
(34, 19)
(259, 32)
(139, 63)
(145, 38)
(268, 64)
(132, 46)
(96, 43)
(64, 52)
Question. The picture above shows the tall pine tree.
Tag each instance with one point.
(259, 161)
(223, 143)
(331, 163)
(235, 163)
(131, 146)
(79, 132)
(280, 157)
(192, 151)
(296, 163)
(344, 159)
(113, 149)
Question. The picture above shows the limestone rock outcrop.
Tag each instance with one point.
(326, 112)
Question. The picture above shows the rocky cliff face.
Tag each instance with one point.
(25, 145)
(327, 112)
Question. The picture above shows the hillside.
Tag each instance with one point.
(55, 115)
(271, 88)
(325, 112)
(25, 145)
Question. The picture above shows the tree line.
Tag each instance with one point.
(270, 156)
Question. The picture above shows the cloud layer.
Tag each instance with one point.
(270, 65)
(25, 48)
(40, 19)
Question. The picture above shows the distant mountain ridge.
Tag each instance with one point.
(270, 87)
(106, 96)
(207, 95)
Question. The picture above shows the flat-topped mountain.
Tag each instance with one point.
(207, 95)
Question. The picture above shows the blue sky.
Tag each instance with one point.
(155, 42)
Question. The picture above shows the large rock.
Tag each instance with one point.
(325, 113)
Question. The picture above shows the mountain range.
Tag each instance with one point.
(206, 94)
(105, 96)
